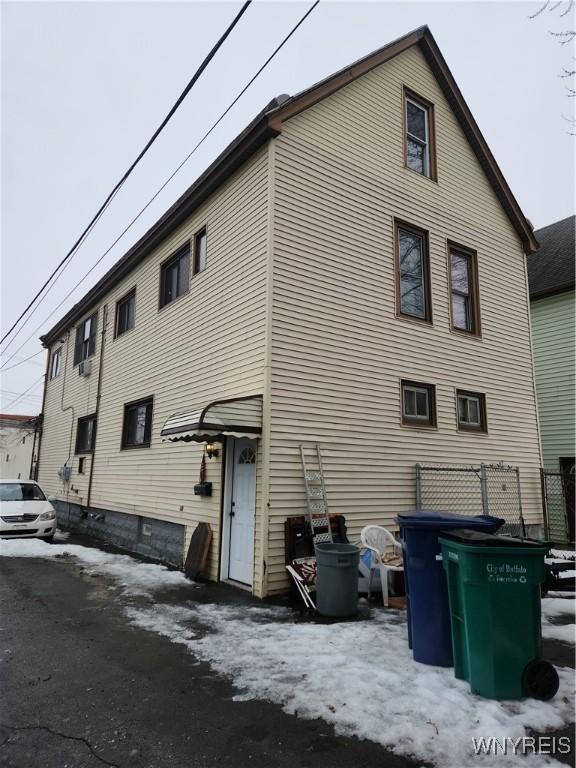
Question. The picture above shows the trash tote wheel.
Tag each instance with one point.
(540, 680)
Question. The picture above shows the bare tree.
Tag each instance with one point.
(562, 10)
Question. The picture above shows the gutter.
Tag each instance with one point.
(244, 146)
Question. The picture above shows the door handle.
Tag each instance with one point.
(232, 513)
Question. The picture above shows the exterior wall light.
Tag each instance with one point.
(212, 450)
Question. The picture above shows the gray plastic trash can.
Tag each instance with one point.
(337, 579)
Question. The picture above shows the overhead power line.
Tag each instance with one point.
(21, 362)
(23, 394)
(150, 142)
(168, 180)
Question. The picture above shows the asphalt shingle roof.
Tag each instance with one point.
(551, 267)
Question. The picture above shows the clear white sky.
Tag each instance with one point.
(84, 84)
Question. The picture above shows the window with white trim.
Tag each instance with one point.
(55, 362)
(471, 409)
(418, 404)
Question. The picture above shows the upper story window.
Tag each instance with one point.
(125, 309)
(55, 362)
(471, 409)
(86, 434)
(85, 339)
(419, 137)
(412, 273)
(200, 250)
(137, 426)
(464, 299)
(175, 276)
(418, 404)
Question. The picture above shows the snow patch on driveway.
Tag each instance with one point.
(359, 676)
(135, 577)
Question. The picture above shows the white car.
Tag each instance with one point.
(25, 511)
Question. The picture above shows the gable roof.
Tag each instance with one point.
(551, 268)
(268, 124)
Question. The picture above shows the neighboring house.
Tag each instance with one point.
(552, 308)
(351, 272)
(17, 446)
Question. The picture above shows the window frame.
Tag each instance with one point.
(482, 427)
(428, 107)
(56, 355)
(473, 290)
(418, 421)
(91, 349)
(176, 256)
(195, 268)
(416, 231)
(82, 420)
(149, 403)
(131, 294)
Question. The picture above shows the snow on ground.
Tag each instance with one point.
(135, 577)
(554, 608)
(359, 676)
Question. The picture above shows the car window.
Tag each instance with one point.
(21, 492)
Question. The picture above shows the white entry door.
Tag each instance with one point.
(243, 505)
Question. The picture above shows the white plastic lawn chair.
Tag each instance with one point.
(385, 555)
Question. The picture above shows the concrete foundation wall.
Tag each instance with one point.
(146, 536)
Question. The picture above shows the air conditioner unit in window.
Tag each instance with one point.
(85, 368)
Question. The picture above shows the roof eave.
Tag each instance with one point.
(235, 154)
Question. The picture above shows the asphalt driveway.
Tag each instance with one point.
(82, 687)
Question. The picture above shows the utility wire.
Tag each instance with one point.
(13, 402)
(150, 142)
(168, 180)
(21, 362)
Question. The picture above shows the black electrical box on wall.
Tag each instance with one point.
(203, 489)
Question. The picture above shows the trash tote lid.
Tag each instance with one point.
(483, 539)
(424, 518)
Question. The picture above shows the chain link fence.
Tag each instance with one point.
(466, 489)
(554, 492)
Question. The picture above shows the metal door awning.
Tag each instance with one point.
(239, 417)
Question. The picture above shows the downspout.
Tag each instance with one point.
(266, 404)
(41, 417)
(98, 396)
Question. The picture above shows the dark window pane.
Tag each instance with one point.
(137, 424)
(462, 410)
(412, 296)
(409, 402)
(175, 277)
(460, 277)
(86, 434)
(416, 119)
(473, 411)
(416, 156)
(422, 404)
(125, 314)
(461, 312)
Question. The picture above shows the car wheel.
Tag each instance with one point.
(48, 539)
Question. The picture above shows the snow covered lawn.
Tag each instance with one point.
(359, 676)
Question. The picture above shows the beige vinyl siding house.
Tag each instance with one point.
(299, 304)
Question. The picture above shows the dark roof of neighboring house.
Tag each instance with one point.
(551, 267)
(268, 124)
